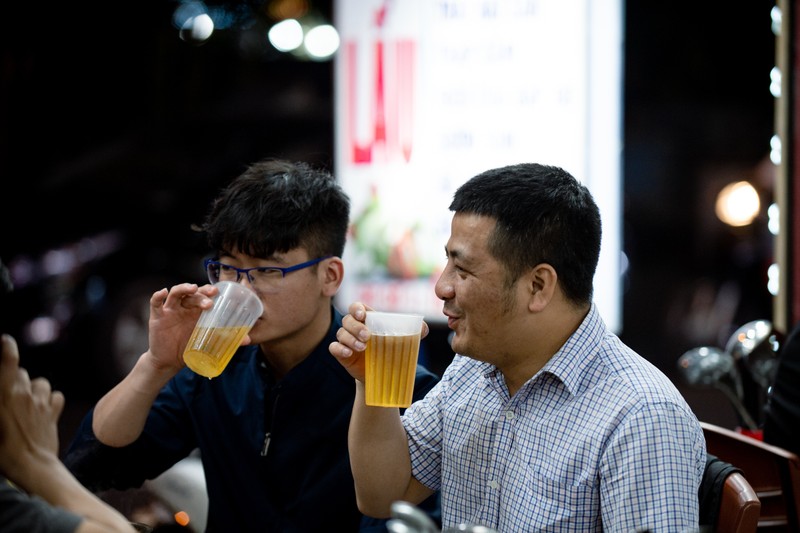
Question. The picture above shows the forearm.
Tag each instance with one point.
(120, 415)
(46, 477)
(378, 456)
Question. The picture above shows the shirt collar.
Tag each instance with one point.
(568, 363)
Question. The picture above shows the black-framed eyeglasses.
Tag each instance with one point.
(263, 279)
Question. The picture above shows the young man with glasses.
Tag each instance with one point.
(272, 428)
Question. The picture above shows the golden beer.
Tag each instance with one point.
(391, 364)
(210, 349)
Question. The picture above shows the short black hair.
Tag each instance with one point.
(275, 206)
(543, 215)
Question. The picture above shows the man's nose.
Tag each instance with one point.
(444, 287)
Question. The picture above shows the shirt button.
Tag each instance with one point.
(493, 484)
(509, 415)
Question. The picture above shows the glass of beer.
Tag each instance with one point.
(219, 330)
(391, 358)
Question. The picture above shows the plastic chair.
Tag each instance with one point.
(773, 472)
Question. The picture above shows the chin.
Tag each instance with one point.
(256, 334)
(456, 345)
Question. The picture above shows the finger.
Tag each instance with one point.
(339, 350)
(41, 387)
(209, 290)
(190, 296)
(57, 401)
(43, 393)
(9, 359)
(179, 293)
(358, 310)
(159, 298)
(10, 349)
(349, 341)
(356, 328)
(22, 380)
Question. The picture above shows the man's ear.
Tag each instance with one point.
(331, 274)
(541, 282)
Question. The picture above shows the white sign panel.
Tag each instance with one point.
(430, 93)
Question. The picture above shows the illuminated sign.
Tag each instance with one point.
(431, 93)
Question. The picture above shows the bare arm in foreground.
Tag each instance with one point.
(120, 415)
(377, 440)
(29, 412)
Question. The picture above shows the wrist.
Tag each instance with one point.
(32, 469)
(151, 371)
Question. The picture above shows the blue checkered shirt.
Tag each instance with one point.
(598, 440)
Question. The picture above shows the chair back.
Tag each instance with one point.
(739, 506)
(728, 504)
(773, 472)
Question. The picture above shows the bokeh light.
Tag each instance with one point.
(738, 204)
(286, 35)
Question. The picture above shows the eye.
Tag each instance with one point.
(461, 271)
(268, 273)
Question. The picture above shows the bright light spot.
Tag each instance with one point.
(775, 78)
(777, 16)
(197, 29)
(774, 218)
(737, 204)
(61, 261)
(182, 518)
(775, 146)
(203, 27)
(41, 330)
(322, 41)
(773, 279)
(286, 35)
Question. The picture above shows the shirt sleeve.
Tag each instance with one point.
(166, 439)
(22, 513)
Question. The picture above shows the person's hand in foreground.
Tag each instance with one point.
(29, 413)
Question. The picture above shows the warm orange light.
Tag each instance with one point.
(182, 518)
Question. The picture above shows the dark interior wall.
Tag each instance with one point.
(108, 122)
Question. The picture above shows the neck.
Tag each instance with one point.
(284, 353)
(544, 335)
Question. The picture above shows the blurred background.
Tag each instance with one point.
(117, 129)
